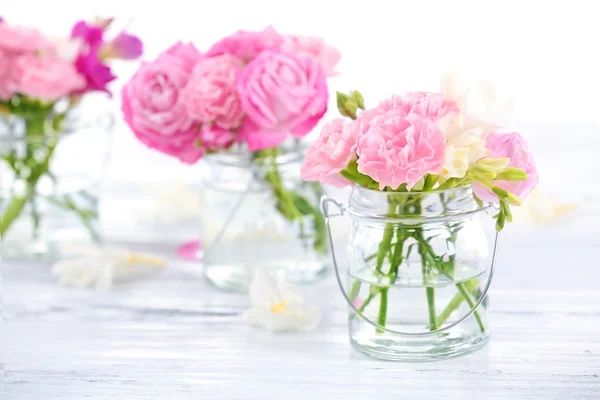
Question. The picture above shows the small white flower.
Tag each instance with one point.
(91, 266)
(478, 104)
(278, 306)
(542, 208)
(462, 151)
(480, 114)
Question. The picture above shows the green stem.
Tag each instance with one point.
(354, 290)
(14, 208)
(455, 302)
(365, 303)
(388, 234)
(465, 294)
(430, 292)
(382, 317)
(17, 203)
(433, 259)
(384, 248)
(86, 216)
(292, 205)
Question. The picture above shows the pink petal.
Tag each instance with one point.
(190, 250)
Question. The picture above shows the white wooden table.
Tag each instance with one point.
(172, 336)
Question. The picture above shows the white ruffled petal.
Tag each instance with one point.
(278, 306)
(95, 267)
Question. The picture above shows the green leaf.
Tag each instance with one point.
(500, 221)
(511, 174)
(430, 181)
(478, 201)
(302, 204)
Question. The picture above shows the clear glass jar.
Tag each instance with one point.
(50, 176)
(244, 226)
(417, 263)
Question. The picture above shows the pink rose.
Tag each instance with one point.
(314, 47)
(514, 147)
(397, 149)
(280, 94)
(153, 106)
(19, 39)
(247, 45)
(7, 84)
(213, 138)
(185, 55)
(425, 104)
(210, 95)
(330, 153)
(45, 77)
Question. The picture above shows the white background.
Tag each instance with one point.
(542, 54)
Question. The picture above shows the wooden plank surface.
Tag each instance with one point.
(172, 336)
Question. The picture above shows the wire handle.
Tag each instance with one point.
(324, 205)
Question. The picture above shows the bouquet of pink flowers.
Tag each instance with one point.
(423, 142)
(408, 147)
(251, 89)
(41, 80)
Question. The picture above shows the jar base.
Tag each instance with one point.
(437, 347)
(237, 277)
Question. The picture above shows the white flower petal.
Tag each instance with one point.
(278, 305)
(267, 291)
(100, 268)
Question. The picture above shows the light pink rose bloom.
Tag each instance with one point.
(185, 55)
(324, 55)
(19, 39)
(331, 153)
(210, 95)
(425, 104)
(514, 147)
(280, 94)
(247, 45)
(397, 149)
(153, 108)
(45, 77)
(7, 84)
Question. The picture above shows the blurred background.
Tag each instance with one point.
(541, 54)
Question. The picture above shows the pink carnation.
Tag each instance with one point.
(397, 149)
(316, 49)
(425, 104)
(247, 45)
(153, 108)
(514, 147)
(280, 94)
(7, 84)
(331, 153)
(18, 39)
(210, 95)
(45, 77)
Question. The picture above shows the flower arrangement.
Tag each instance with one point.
(253, 90)
(412, 145)
(42, 80)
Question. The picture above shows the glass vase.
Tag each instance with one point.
(419, 267)
(50, 176)
(258, 212)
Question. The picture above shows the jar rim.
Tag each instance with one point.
(449, 190)
(375, 205)
(240, 156)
